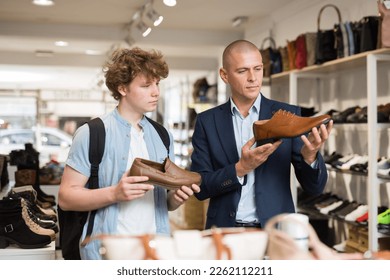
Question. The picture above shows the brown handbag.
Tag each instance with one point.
(385, 25)
(291, 54)
(284, 54)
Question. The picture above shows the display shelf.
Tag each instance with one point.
(341, 64)
(368, 62)
(13, 252)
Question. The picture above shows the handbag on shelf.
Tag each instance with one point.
(310, 38)
(301, 53)
(292, 51)
(212, 244)
(329, 43)
(284, 55)
(369, 33)
(305, 45)
(272, 61)
(384, 25)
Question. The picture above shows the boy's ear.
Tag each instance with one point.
(122, 90)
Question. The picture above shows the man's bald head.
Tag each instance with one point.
(237, 46)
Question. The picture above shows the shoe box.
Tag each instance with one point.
(358, 239)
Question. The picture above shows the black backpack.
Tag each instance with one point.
(71, 223)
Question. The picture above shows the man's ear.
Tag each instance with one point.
(223, 74)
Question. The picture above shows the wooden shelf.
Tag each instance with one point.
(345, 63)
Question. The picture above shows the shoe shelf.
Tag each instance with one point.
(341, 64)
(364, 67)
(13, 252)
(381, 179)
(360, 126)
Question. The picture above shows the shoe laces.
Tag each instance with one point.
(284, 113)
(28, 219)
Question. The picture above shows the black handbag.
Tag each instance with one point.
(369, 33)
(272, 60)
(329, 43)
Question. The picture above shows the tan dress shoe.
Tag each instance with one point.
(166, 174)
(284, 124)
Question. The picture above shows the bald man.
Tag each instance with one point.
(248, 184)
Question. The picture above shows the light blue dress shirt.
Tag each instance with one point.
(243, 131)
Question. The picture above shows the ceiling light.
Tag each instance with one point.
(237, 21)
(43, 2)
(20, 76)
(61, 43)
(155, 17)
(170, 3)
(93, 52)
(144, 29)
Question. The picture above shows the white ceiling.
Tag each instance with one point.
(192, 36)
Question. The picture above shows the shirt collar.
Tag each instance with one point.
(255, 106)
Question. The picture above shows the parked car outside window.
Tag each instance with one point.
(51, 143)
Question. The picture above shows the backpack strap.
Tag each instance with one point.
(97, 140)
(162, 132)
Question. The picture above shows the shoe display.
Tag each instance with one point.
(356, 159)
(33, 226)
(308, 111)
(338, 163)
(339, 208)
(332, 158)
(29, 195)
(326, 202)
(334, 205)
(384, 168)
(166, 174)
(346, 210)
(361, 210)
(14, 229)
(384, 217)
(284, 124)
(341, 117)
(360, 116)
(384, 113)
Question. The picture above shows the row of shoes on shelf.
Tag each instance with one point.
(350, 211)
(358, 114)
(51, 173)
(28, 159)
(357, 163)
(27, 218)
(27, 215)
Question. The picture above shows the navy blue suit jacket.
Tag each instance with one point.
(215, 155)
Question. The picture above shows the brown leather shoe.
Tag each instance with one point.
(284, 124)
(166, 174)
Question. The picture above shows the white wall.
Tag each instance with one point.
(300, 16)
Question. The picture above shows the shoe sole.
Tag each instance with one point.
(6, 241)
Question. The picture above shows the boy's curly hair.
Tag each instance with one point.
(126, 64)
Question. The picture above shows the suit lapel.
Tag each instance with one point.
(225, 130)
(267, 108)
